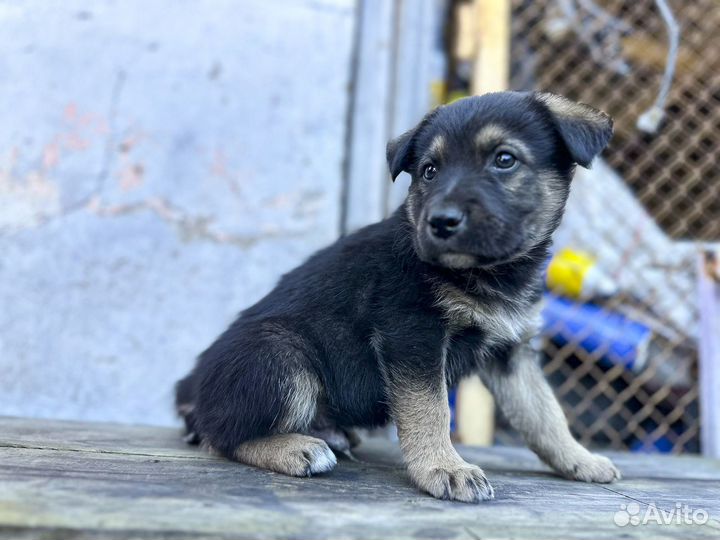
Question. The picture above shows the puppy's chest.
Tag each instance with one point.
(499, 321)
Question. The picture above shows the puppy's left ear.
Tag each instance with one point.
(585, 130)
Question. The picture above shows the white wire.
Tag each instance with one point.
(650, 120)
(673, 30)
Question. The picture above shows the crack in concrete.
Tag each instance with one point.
(189, 228)
(104, 171)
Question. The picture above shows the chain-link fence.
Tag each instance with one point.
(660, 182)
(613, 53)
(621, 348)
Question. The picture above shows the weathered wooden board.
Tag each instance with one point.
(708, 277)
(73, 480)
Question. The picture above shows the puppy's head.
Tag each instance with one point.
(491, 174)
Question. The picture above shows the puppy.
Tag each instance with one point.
(376, 327)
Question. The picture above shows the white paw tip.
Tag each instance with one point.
(322, 461)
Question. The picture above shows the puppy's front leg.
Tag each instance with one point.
(417, 393)
(528, 403)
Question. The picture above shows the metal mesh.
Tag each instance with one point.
(615, 59)
(612, 54)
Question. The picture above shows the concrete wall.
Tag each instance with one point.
(161, 164)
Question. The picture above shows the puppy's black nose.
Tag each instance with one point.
(446, 221)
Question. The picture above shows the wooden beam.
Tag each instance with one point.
(709, 358)
(475, 410)
(366, 168)
(491, 72)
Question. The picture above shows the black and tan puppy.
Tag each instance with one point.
(377, 326)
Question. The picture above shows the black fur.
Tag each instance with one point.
(364, 312)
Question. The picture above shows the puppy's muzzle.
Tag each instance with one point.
(446, 221)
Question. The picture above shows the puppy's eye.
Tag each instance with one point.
(505, 160)
(429, 172)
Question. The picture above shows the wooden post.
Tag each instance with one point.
(475, 410)
(491, 71)
(709, 358)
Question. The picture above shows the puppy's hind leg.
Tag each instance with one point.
(291, 453)
(287, 452)
(256, 397)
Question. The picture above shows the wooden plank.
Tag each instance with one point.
(709, 357)
(84, 491)
(367, 173)
(392, 91)
(139, 489)
(417, 31)
(154, 441)
(93, 437)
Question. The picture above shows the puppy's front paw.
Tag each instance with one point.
(464, 482)
(591, 468)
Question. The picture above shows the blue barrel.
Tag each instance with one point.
(615, 338)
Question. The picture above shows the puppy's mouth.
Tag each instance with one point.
(460, 259)
(465, 261)
(457, 260)
(476, 248)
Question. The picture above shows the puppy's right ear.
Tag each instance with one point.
(399, 153)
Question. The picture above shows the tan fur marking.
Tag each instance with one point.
(490, 135)
(523, 148)
(493, 135)
(300, 401)
(502, 321)
(410, 203)
(458, 260)
(423, 422)
(437, 146)
(564, 107)
(553, 194)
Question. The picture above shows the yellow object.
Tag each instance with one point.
(437, 93)
(455, 95)
(566, 272)
(576, 274)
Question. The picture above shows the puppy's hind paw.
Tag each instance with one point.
(464, 483)
(292, 454)
(593, 468)
(319, 458)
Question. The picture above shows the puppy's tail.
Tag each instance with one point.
(185, 406)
